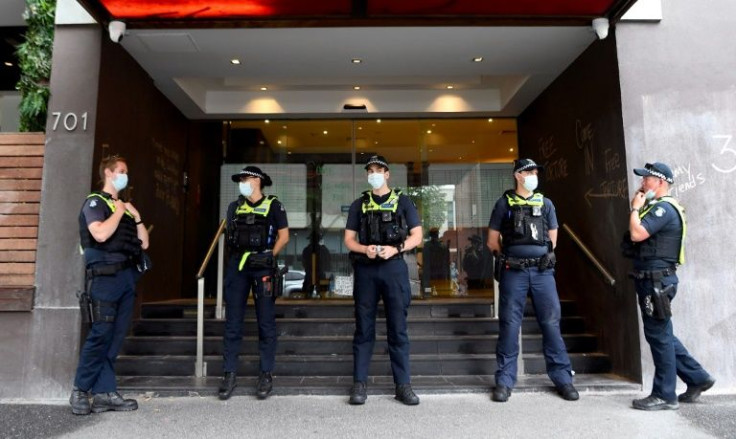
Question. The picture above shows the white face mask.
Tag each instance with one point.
(120, 181)
(650, 195)
(376, 180)
(245, 188)
(530, 182)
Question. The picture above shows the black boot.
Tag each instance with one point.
(227, 385)
(358, 393)
(79, 402)
(264, 385)
(103, 402)
(406, 395)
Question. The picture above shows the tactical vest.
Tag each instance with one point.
(658, 246)
(526, 224)
(250, 230)
(124, 240)
(381, 224)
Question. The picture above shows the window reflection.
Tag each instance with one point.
(454, 170)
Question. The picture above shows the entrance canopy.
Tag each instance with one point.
(235, 59)
(415, 10)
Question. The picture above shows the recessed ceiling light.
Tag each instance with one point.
(511, 149)
(429, 131)
(283, 126)
(478, 59)
(360, 128)
(279, 142)
(356, 60)
(324, 132)
(378, 120)
(357, 87)
(235, 61)
(289, 153)
(264, 88)
(490, 119)
(267, 121)
(450, 87)
(472, 141)
(261, 142)
(8, 63)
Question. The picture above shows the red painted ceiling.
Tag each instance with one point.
(232, 9)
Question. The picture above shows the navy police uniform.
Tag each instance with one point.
(252, 229)
(655, 278)
(383, 220)
(524, 224)
(112, 274)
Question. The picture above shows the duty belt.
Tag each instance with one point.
(108, 270)
(652, 274)
(521, 263)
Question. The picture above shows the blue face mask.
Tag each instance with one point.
(649, 195)
(120, 181)
(245, 188)
(530, 182)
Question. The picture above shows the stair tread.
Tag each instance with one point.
(343, 337)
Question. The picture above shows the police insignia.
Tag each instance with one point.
(659, 211)
(93, 203)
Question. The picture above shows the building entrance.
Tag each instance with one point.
(453, 169)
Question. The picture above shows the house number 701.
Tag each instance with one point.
(70, 120)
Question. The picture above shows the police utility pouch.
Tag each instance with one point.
(661, 302)
(85, 307)
(260, 260)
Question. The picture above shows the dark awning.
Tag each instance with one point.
(300, 13)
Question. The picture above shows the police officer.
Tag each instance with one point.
(656, 242)
(381, 225)
(113, 237)
(257, 230)
(522, 235)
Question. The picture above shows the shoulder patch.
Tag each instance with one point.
(659, 211)
(93, 203)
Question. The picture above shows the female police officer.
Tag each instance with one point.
(257, 229)
(376, 235)
(113, 237)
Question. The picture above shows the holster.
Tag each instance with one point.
(656, 304)
(278, 281)
(85, 308)
(499, 262)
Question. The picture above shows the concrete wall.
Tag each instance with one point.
(679, 107)
(9, 115)
(575, 130)
(39, 349)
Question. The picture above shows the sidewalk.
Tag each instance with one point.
(595, 415)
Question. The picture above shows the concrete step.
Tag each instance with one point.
(342, 344)
(346, 326)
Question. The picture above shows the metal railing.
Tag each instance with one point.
(609, 279)
(200, 367)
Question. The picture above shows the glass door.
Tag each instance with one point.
(453, 169)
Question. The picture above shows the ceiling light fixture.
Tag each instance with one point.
(490, 119)
(429, 131)
(356, 60)
(450, 87)
(267, 121)
(324, 132)
(235, 61)
(8, 63)
(511, 149)
(478, 59)
(264, 88)
(378, 120)
(357, 87)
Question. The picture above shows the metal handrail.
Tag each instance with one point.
(611, 281)
(200, 367)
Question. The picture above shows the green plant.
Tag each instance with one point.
(431, 204)
(34, 60)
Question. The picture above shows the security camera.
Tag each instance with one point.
(117, 30)
(600, 26)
